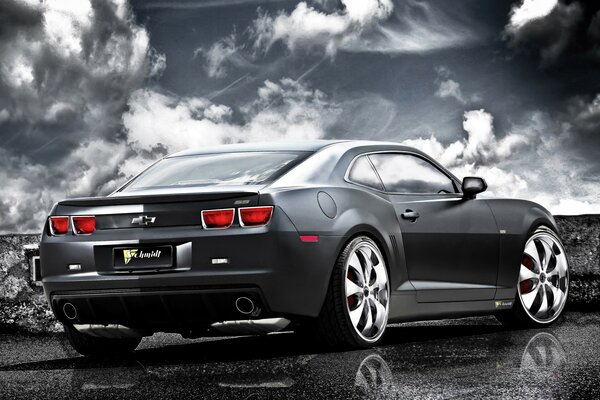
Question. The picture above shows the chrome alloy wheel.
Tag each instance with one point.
(367, 291)
(543, 277)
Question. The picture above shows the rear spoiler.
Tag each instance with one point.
(156, 198)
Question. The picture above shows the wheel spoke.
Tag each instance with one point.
(561, 265)
(357, 313)
(544, 306)
(379, 314)
(380, 278)
(547, 255)
(369, 318)
(525, 273)
(553, 273)
(356, 266)
(528, 298)
(367, 264)
(557, 297)
(352, 288)
(532, 251)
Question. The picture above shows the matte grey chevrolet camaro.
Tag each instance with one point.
(337, 238)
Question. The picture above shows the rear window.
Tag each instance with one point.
(215, 169)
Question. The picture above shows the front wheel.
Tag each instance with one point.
(355, 312)
(543, 282)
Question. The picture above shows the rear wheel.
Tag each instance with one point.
(543, 282)
(356, 307)
(93, 346)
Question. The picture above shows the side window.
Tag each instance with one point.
(405, 173)
(362, 172)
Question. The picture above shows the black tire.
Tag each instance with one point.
(333, 326)
(92, 346)
(518, 317)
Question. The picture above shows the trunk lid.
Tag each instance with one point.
(158, 208)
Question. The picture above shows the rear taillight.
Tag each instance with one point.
(255, 216)
(217, 219)
(84, 225)
(59, 225)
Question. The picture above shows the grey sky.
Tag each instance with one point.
(91, 93)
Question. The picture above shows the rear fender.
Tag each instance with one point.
(358, 211)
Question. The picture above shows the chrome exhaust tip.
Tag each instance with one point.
(245, 305)
(69, 311)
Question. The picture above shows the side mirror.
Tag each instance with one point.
(471, 185)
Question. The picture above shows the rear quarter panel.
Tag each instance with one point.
(358, 211)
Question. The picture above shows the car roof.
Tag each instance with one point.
(305, 145)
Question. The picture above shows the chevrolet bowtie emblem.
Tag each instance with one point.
(143, 220)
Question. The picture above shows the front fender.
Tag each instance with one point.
(517, 220)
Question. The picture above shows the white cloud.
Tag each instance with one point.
(218, 55)
(361, 26)
(348, 25)
(156, 124)
(282, 110)
(64, 21)
(306, 27)
(570, 206)
(481, 147)
(479, 154)
(94, 166)
(449, 88)
(531, 161)
(530, 10)
(547, 27)
(501, 182)
(192, 5)
(414, 27)
(30, 189)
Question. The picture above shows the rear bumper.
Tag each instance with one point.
(176, 309)
(283, 275)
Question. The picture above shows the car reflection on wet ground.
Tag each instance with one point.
(465, 358)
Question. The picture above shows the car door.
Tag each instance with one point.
(450, 244)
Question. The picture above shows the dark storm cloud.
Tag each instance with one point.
(15, 15)
(569, 29)
(68, 68)
(581, 122)
(67, 74)
(567, 40)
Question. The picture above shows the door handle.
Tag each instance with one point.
(410, 215)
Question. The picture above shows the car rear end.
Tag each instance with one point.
(176, 259)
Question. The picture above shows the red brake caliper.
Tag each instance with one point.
(526, 286)
(352, 300)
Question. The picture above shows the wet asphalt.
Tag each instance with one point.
(465, 358)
